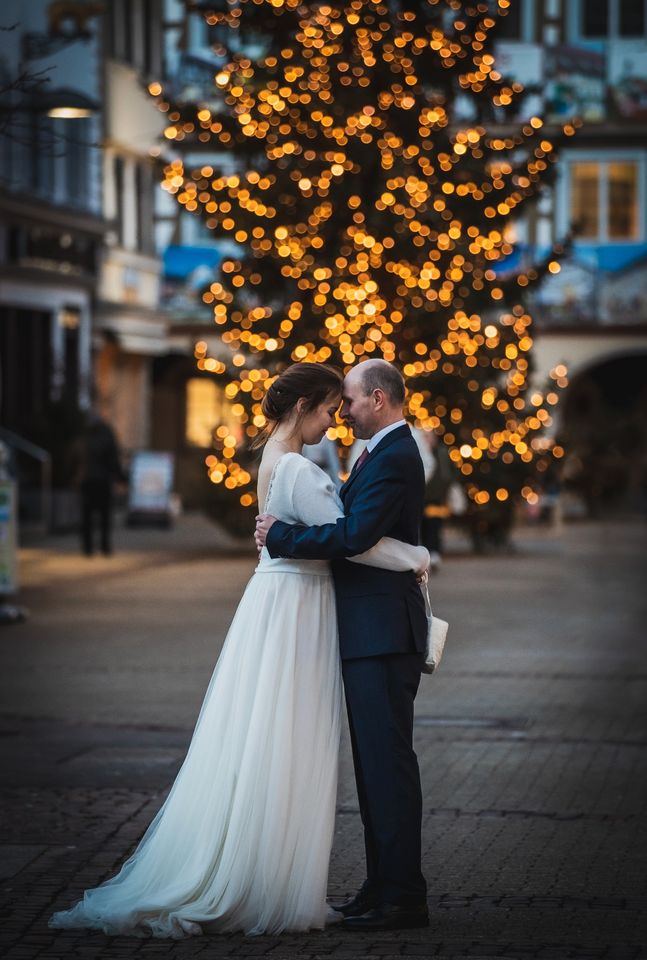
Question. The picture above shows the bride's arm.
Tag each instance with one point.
(390, 554)
(315, 502)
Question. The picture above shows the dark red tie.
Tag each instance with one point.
(361, 460)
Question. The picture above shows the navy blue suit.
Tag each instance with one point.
(382, 635)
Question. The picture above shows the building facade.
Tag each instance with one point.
(129, 328)
(587, 61)
(101, 273)
(52, 226)
(79, 274)
(188, 404)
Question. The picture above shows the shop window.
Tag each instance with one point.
(206, 408)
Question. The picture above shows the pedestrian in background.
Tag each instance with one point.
(438, 483)
(98, 468)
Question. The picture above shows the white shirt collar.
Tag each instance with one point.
(375, 439)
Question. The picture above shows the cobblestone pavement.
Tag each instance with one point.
(532, 741)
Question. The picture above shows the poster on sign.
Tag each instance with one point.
(150, 488)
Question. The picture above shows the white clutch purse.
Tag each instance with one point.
(436, 635)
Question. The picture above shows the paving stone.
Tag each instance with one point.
(531, 741)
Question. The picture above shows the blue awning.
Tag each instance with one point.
(181, 261)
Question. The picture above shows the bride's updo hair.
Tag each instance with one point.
(315, 382)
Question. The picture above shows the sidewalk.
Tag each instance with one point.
(532, 741)
(46, 559)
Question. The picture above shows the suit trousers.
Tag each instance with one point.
(96, 500)
(380, 693)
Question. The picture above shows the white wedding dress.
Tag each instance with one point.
(242, 842)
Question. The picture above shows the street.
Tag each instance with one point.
(532, 740)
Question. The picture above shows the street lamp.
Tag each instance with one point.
(66, 104)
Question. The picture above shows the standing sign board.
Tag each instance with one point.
(150, 488)
(8, 578)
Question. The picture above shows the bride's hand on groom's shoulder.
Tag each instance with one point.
(263, 523)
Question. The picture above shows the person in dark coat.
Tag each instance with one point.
(99, 468)
(436, 494)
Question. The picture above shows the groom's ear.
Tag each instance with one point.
(378, 398)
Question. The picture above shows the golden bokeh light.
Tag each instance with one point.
(371, 221)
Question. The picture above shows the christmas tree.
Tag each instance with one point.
(379, 171)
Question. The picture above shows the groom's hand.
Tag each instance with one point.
(263, 523)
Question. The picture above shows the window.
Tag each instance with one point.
(207, 408)
(144, 199)
(585, 199)
(151, 18)
(605, 199)
(134, 34)
(599, 19)
(631, 18)
(120, 185)
(595, 18)
(509, 27)
(117, 29)
(623, 201)
(77, 162)
(43, 154)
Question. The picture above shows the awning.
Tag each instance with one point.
(181, 261)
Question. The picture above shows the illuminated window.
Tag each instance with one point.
(605, 199)
(585, 199)
(623, 201)
(206, 408)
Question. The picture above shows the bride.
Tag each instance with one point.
(242, 842)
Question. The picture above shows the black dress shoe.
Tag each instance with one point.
(361, 903)
(389, 916)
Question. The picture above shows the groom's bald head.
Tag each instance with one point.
(381, 375)
(373, 397)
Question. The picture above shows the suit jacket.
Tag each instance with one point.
(379, 611)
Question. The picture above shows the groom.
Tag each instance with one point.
(382, 636)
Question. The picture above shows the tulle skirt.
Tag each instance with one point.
(242, 842)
